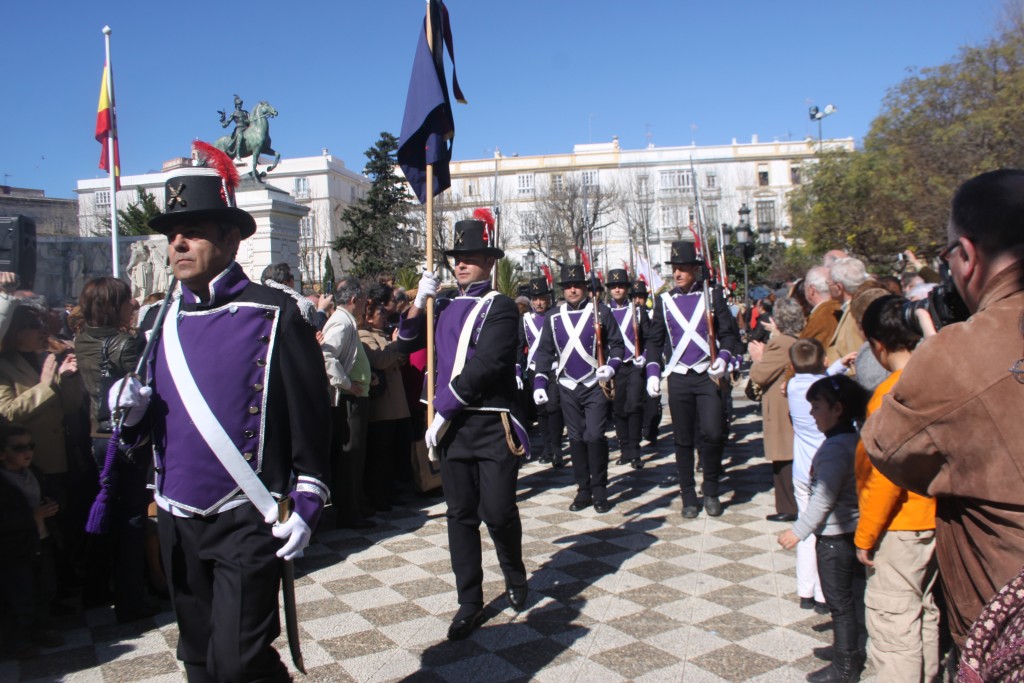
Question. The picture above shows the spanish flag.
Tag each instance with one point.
(106, 126)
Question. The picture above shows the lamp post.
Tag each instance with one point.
(744, 247)
(817, 115)
(531, 262)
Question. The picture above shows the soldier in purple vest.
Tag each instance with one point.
(236, 381)
(568, 346)
(681, 330)
(474, 432)
(549, 415)
(636, 370)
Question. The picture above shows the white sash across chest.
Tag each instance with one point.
(627, 322)
(536, 331)
(689, 328)
(575, 340)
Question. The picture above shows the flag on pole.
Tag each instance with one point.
(646, 273)
(428, 127)
(106, 126)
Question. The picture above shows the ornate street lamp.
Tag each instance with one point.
(531, 262)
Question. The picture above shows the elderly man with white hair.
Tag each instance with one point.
(825, 313)
(845, 276)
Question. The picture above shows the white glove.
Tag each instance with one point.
(134, 400)
(654, 387)
(427, 288)
(717, 369)
(295, 530)
(519, 383)
(540, 397)
(605, 373)
(435, 431)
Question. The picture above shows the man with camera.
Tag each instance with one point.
(951, 428)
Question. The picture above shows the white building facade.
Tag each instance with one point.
(646, 196)
(322, 184)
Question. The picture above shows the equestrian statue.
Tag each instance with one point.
(251, 136)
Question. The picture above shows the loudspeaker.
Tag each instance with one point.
(18, 249)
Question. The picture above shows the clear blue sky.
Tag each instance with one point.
(540, 75)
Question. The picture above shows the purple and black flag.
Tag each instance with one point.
(428, 127)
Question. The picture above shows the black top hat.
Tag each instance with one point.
(473, 237)
(595, 284)
(199, 194)
(639, 288)
(684, 253)
(538, 287)
(618, 276)
(573, 275)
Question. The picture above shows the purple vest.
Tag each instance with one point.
(537, 319)
(450, 322)
(575, 366)
(228, 348)
(687, 305)
(629, 334)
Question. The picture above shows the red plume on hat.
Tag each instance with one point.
(214, 158)
(585, 259)
(485, 215)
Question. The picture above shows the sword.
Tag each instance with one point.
(291, 621)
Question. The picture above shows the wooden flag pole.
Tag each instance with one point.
(115, 254)
(430, 259)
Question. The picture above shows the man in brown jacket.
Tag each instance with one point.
(845, 277)
(824, 316)
(951, 428)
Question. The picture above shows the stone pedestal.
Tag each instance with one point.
(277, 228)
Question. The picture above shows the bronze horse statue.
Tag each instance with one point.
(255, 140)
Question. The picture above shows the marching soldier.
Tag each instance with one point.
(681, 329)
(549, 416)
(238, 409)
(479, 442)
(569, 347)
(636, 371)
(652, 404)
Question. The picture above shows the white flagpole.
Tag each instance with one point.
(111, 136)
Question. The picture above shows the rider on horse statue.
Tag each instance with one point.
(251, 136)
(240, 118)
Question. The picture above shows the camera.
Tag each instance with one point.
(943, 303)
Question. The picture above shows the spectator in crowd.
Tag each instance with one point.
(895, 535)
(951, 427)
(27, 572)
(832, 256)
(868, 372)
(824, 315)
(279, 276)
(845, 276)
(37, 389)
(837, 404)
(389, 414)
(770, 362)
(107, 351)
(348, 369)
(891, 284)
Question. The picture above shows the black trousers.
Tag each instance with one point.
(480, 486)
(652, 417)
(224, 578)
(842, 582)
(628, 408)
(121, 554)
(350, 420)
(782, 483)
(551, 421)
(586, 412)
(27, 589)
(693, 400)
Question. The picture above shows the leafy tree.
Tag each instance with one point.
(510, 276)
(379, 237)
(328, 283)
(134, 218)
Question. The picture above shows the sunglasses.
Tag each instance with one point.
(22, 447)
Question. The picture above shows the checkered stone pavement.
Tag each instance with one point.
(637, 594)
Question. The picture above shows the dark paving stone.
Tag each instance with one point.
(734, 572)
(635, 660)
(422, 588)
(357, 644)
(735, 626)
(734, 663)
(136, 668)
(352, 584)
(735, 597)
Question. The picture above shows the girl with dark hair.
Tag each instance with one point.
(108, 350)
(837, 404)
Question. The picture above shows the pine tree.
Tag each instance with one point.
(377, 239)
(134, 219)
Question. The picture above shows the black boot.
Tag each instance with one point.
(845, 668)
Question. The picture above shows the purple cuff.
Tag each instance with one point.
(308, 506)
(519, 371)
(410, 329)
(653, 370)
(615, 363)
(540, 381)
(725, 356)
(447, 403)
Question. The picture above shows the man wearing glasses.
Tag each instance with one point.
(951, 428)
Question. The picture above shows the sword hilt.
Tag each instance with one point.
(285, 506)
